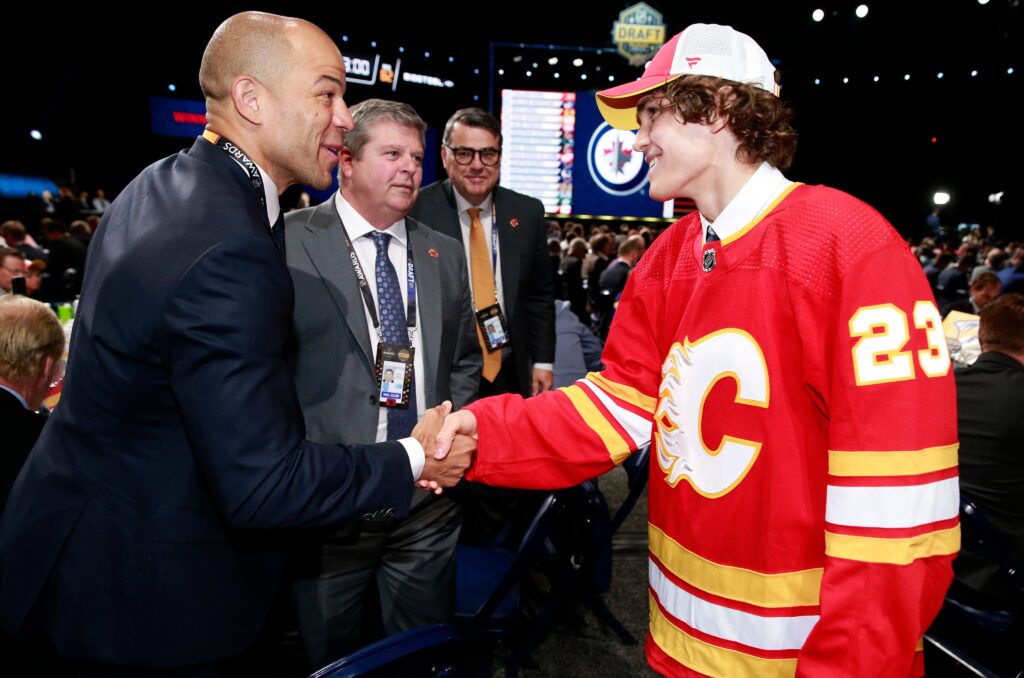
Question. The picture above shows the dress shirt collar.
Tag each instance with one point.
(21, 398)
(762, 188)
(461, 204)
(356, 226)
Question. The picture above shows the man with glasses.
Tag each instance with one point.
(504, 236)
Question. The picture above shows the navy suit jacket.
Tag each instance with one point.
(20, 429)
(989, 395)
(527, 283)
(145, 527)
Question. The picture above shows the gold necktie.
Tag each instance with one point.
(483, 286)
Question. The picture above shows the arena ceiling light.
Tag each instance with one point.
(861, 11)
(940, 198)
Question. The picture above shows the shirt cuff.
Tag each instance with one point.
(550, 367)
(416, 456)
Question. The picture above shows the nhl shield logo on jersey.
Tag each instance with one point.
(689, 373)
(709, 260)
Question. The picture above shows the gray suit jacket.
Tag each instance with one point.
(334, 368)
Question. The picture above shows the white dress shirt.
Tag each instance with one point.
(358, 230)
(761, 190)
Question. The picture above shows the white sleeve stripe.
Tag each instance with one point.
(638, 428)
(765, 633)
(893, 506)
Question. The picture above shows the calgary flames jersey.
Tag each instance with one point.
(794, 384)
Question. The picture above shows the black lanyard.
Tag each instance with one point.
(239, 156)
(364, 287)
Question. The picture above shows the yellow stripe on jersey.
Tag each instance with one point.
(920, 645)
(896, 463)
(786, 589)
(902, 551)
(618, 448)
(767, 210)
(624, 393)
(709, 659)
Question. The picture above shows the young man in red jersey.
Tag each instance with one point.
(781, 351)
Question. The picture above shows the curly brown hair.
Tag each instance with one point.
(758, 119)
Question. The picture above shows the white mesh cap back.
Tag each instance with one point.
(723, 52)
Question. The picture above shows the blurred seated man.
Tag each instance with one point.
(951, 285)
(31, 346)
(12, 265)
(570, 277)
(577, 350)
(989, 397)
(613, 280)
(1012, 277)
(34, 277)
(67, 254)
(983, 290)
(16, 237)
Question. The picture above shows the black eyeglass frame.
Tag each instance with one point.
(473, 152)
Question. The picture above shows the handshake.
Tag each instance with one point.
(449, 443)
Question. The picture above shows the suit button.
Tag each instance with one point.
(373, 400)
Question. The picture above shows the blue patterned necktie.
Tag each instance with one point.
(711, 235)
(393, 331)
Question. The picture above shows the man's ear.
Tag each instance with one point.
(345, 163)
(247, 98)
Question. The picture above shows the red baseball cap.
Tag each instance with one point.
(701, 49)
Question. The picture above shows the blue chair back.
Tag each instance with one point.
(429, 652)
(487, 577)
(637, 467)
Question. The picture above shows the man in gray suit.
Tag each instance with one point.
(384, 329)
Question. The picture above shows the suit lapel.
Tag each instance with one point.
(508, 242)
(325, 245)
(449, 224)
(428, 304)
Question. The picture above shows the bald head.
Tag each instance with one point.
(251, 43)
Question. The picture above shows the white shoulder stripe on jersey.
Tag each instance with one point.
(638, 428)
(893, 506)
(765, 633)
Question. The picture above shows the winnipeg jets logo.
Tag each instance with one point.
(617, 155)
(689, 373)
(613, 165)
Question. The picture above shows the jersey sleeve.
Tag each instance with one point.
(892, 500)
(562, 437)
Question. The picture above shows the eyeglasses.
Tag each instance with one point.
(464, 156)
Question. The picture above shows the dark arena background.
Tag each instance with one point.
(912, 99)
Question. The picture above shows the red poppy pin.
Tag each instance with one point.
(432, 252)
(514, 222)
